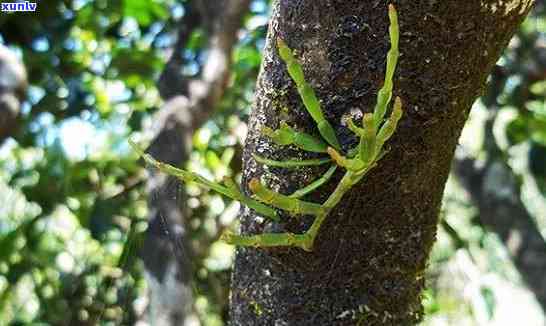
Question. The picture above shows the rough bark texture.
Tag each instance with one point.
(188, 104)
(368, 263)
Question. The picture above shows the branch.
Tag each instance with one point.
(496, 193)
(206, 92)
(171, 81)
(187, 111)
(188, 104)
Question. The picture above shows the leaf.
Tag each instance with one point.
(213, 161)
(144, 11)
(517, 130)
(538, 88)
(489, 299)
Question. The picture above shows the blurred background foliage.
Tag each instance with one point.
(72, 197)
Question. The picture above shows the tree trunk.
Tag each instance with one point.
(368, 262)
(188, 104)
(494, 189)
(496, 193)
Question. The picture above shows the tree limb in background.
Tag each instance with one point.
(188, 104)
(494, 189)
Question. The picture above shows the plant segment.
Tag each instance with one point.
(374, 131)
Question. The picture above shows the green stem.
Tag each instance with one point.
(291, 163)
(388, 128)
(307, 94)
(355, 164)
(348, 180)
(315, 184)
(266, 240)
(368, 139)
(286, 135)
(292, 205)
(354, 128)
(385, 93)
(304, 241)
(186, 176)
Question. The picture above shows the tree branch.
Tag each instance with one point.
(185, 110)
(171, 81)
(495, 191)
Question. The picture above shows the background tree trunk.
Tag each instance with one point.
(188, 104)
(495, 190)
(368, 263)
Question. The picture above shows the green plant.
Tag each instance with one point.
(373, 134)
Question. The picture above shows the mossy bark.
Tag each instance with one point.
(368, 263)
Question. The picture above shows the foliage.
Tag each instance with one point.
(89, 66)
(72, 202)
(70, 244)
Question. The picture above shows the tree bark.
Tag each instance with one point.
(368, 263)
(188, 104)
